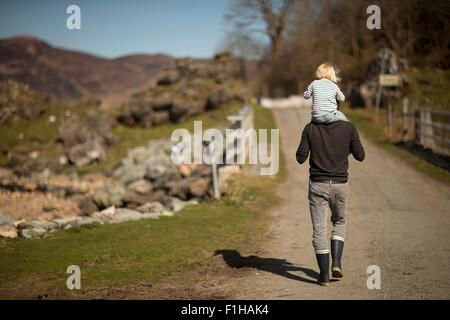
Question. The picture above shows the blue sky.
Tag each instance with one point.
(111, 28)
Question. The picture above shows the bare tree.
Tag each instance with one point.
(267, 17)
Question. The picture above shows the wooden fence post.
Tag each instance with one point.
(389, 117)
(426, 123)
(405, 120)
(212, 155)
(417, 126)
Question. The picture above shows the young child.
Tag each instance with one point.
(325, 94)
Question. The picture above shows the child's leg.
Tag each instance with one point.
(320, 119)
(336, 116)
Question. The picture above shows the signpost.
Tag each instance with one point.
(390, 80)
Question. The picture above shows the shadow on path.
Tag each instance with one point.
(281, 267)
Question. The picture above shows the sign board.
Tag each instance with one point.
(390, 80)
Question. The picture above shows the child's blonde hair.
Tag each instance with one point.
(327, 71)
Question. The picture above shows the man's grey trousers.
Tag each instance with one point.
(324, 195)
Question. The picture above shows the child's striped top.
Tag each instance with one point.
(325, 94)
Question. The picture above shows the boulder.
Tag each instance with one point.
(174, 204)
(192, 187)
(82, 221)
(217, 99)
(180, 189)
(186, 169)
(133, 200)
(105, 215)
(199, 187)
(165, 179)
(202, 171)
(86, 140)
(151, 207)
(111, 194)
(87, 206)
(123, 215)
(86, 153)
(38, 224)
(33, 232)
(167, 213)
(170, 77)
(140, 186)
(8, 231)
(63, 222)
(160, 117)
(185, 107)
(130, 172)
(140, 115)
(161, 103)
(5, 220)
(225, 172)
(151, 215)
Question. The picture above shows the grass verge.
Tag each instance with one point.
(142, 251)
(375, 134)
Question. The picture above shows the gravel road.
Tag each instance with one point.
(398, 219)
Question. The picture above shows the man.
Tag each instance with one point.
(329, 145)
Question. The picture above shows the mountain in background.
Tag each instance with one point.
(71, 76)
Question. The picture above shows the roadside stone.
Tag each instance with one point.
(150, 215)
(88, 220)
(175, 204)
(151, 207)
(186, 169)
(87, 206)
(33, 232)
(167, 213)
(129, 173)
(5, 220)
(105, 215)
(38, 224)
(62, 222)
(140, 186)
(225, 172)
(7, 231)
(110, 194)
(123, 215)
(199, 187)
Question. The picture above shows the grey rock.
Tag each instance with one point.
(7, 231)
(62, 222)
(87, 206)
(88, 220)
(32, 232)
(175, 204)
(167, 213)
(5, 220)
(150, 215)
(129, 173)
(110, 194)
(38, 224)
(123, 215)
(105, 215)
(151, 207)
(140, 186)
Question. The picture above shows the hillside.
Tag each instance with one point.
(68, 76)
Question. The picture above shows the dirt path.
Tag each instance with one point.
(398, 219)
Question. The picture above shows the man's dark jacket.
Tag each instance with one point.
(329, 145)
